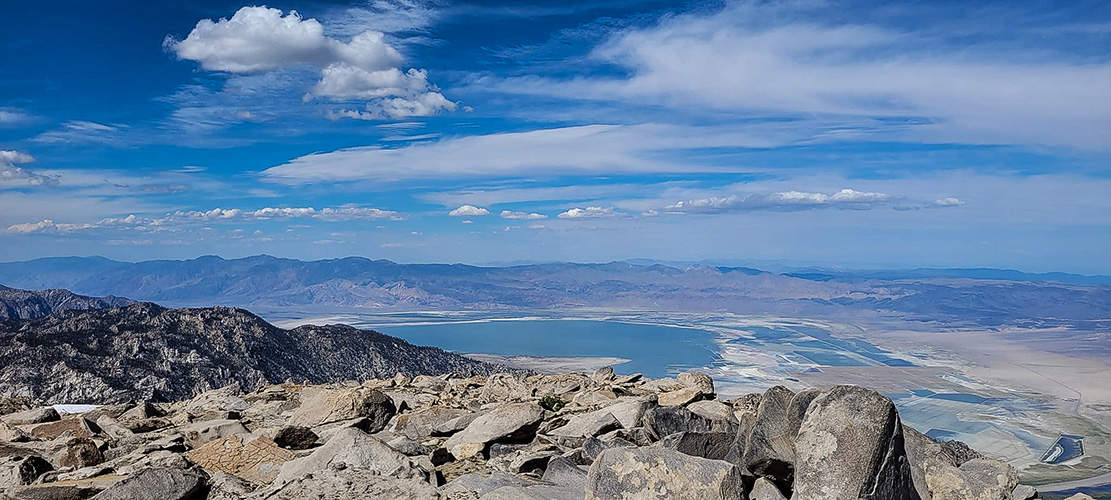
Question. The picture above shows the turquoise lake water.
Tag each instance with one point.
(654, 350)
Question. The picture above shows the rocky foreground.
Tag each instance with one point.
(572, 436)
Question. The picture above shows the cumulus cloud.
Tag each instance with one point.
(9, 172)
(469, 211)
(948, 202)
(588, 213)
(261, 39)
(785, 200)
(507, 214)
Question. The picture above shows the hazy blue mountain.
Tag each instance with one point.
(977, 296)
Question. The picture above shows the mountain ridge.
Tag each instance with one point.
(145, 351)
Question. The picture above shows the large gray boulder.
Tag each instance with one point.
(850, 446)
(345, 404)
(159, 484)
(667, 420)
(351, 448)
(770, 447)
(516, 422)
(651, 473)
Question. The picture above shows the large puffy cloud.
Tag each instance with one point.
(10, 172)
(261, 39)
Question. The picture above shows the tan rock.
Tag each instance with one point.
(257, 460)
(680, 397)
(75, 427)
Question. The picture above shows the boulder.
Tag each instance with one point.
(257, 460)
(602, 375)
(597, 397)
(159, 484)
(594, 447)
(697, 380)
(10, 434)
(976, 479)
(647, 473)
(562, 472)
(515, 422)
(712, 445)
(345, 404)
(629, 411)
(21, 470)
(588, 424)
(199, 433)
(33, 416)
(680, 397)
(850, 446)
(719, 414)
(763, 489)
(481, 484)
(667, 420)
(420, 423)
(80, 452)
(75, 427)
(223, 399)
(770, 448)
(295, 437)
(353, 449)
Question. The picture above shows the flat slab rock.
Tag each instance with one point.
(661, 473)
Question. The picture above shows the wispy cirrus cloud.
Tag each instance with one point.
(785, 200)
(801, 60)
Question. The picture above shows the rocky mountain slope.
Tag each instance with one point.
(26, 304)
(269, 283)
(147, 352)
(572, 436)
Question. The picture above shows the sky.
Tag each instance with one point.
(798, 132)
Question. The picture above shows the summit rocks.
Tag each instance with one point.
(454, 437)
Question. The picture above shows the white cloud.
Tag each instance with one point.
(845, 198)
(12, 117)
(173, 220)
(794, 59)
(10, 172)
(83, 131)
(261, 39)
(588, 213)
(589, 149)
(469, 211)
(948, 202)
(507, 214)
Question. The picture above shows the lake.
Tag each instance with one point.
(654, 350)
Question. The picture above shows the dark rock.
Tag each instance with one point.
(159, 484)
(21, 470)
(81, 452)
(712, 445)
(770, 448)
(295, 437)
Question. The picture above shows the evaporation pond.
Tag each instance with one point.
(652, 349)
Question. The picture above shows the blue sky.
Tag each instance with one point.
(806, 132)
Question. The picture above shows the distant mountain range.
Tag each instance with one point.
(145, 352)
(25, 304)
(982, 297)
